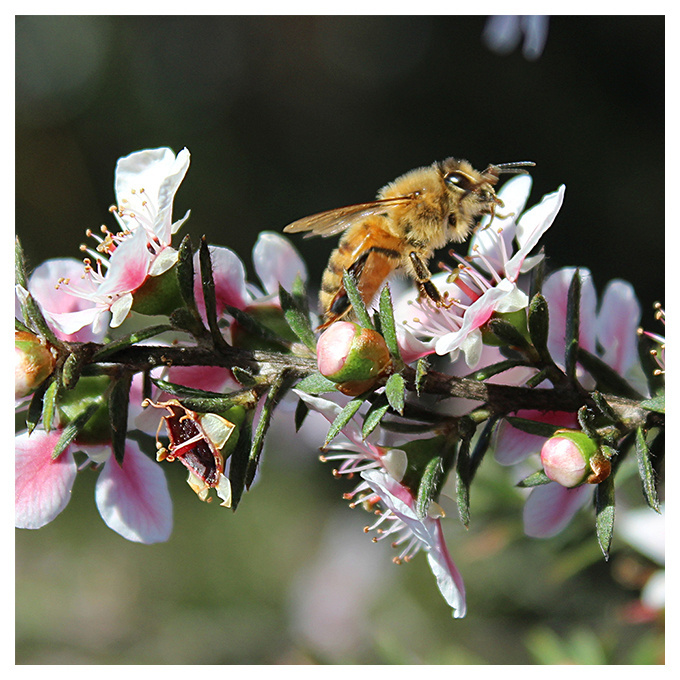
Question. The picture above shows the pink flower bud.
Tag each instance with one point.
(33, 363)
(566, 457)
(353, 356)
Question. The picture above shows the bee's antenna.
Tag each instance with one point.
(516, 168)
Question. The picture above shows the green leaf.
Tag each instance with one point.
(608, 380)
(251, 325)
(49, 405)
(297, 318)
(301, 411)
(573, 321)
(129, 340)
(20, 278)
(657, 404)
(208, 283)
(343, 418)
(646, 471)
(538, 322)
(354, 296)
(315, 383)
(35, 408)
(32, 313)
(604, 514)
(76, 426)
(276, 391)
(430, 486)
(421, 373)
(394, 390)
(533, 426)
(508, 334)
(185, 275)
(205, 401)
(494, 369)
(463, 482)
(244, 376)
(535, 479)
(374, 415)
(239, 460)
(388, 328)
(119, 401)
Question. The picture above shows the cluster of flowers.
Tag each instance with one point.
(126, 273)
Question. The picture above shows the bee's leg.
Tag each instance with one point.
(422, 278)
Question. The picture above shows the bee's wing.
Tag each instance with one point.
(334, 221)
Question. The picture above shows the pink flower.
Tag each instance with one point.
(474, 294)
(146, 183)
(133, 500)
(382, 469)
(275, 261)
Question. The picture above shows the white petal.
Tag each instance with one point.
(134, 500)
(276, 261)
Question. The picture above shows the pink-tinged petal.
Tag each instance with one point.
(550, 508)
(428, 531)
(410, 348)
(555, 291)
(42, 486)
(531, 226)
(209, 378)
(276, 261)
(449, 579)
(513, 445)
(71, 323)
(134, 500)
(230, 280)
(128, 267)
(617, 324)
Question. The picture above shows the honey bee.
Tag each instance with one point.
(412, 217)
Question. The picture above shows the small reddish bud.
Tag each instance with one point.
(346, 352)
(568, 458)
(34, 361)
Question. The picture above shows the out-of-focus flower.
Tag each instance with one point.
(133, 499)
(146, 183)
(34, 361)
(503, 33)
(485, 283)
(382, 470)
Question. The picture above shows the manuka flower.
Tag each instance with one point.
(133, 499)
(485, 282)
(382, 491)
(146, 183)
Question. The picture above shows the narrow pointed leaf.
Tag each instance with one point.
(463, 482)
(129, 340)
(208, 283)
(573, 321)
(495, 369)
(186, 274)
(297, 318)
(394, 389)
(421, 373)
(604, 514)
(238, 462)
(276, 391)
(343, 418)
(72, 430)
(430, 485)
(35, 408)
(507, 333)
(387, 326)
(608, 380)
(315, 383)
(49, 405)
(533, 426)
(254, 327)
(535, 479)
(118, 414)
(20, 277)
(646, 471)
(301, 411)
(354, 296)
(657, 404)
(374, 415)
(538, 321)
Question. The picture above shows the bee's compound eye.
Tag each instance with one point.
(460, 180)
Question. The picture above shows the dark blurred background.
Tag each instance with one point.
(286, 116)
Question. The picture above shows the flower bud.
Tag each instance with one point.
(567, 456)
(353, 356)
(34, 361)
